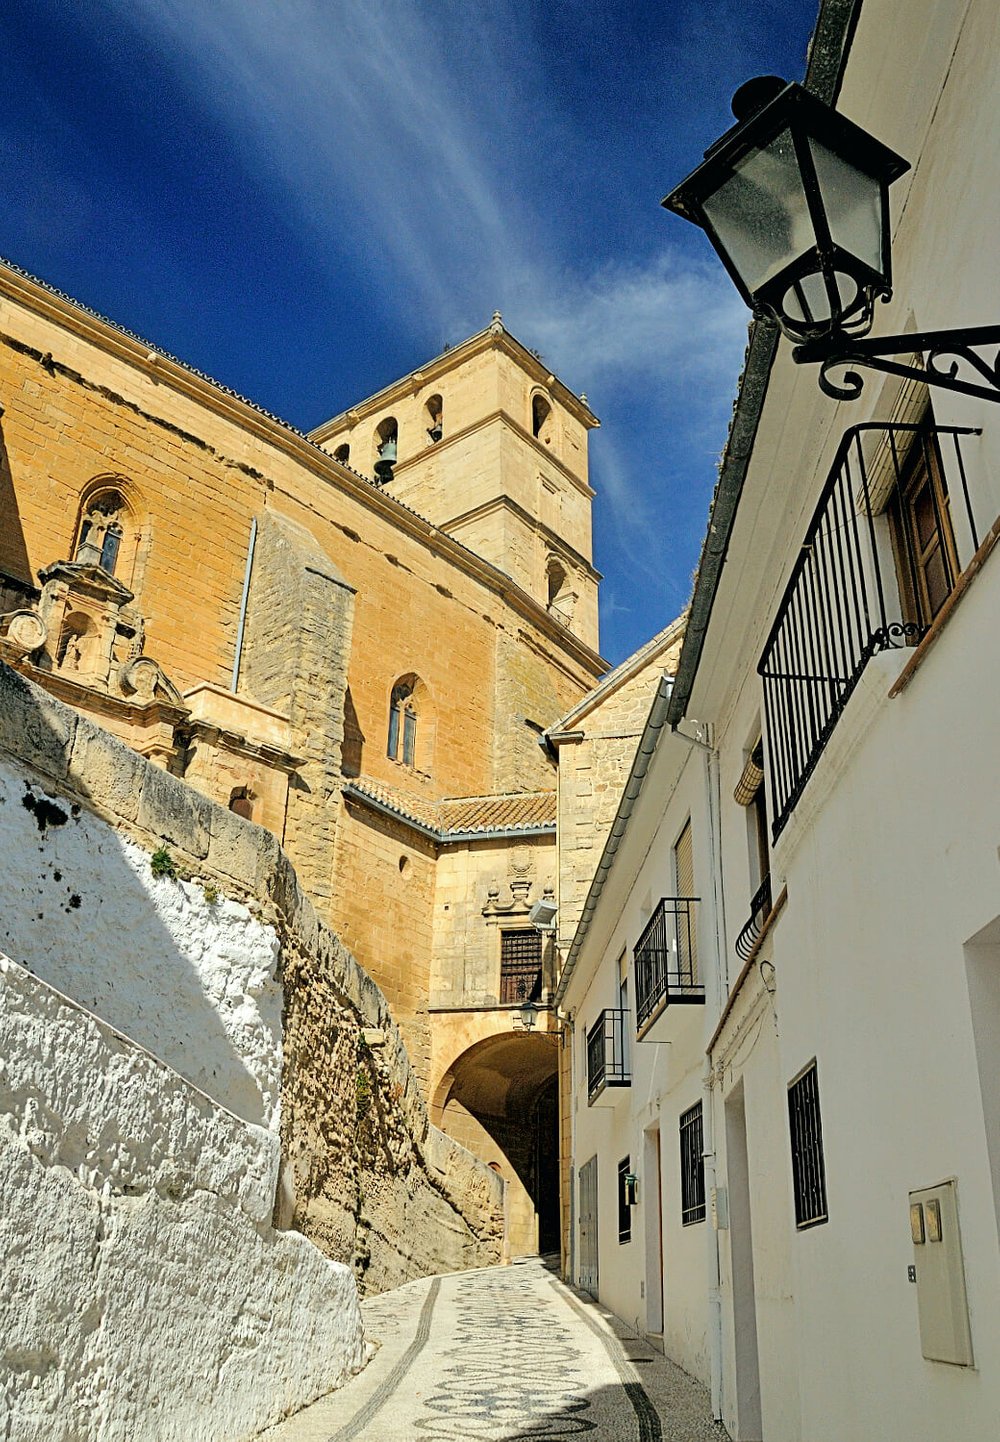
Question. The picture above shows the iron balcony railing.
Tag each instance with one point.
(608, 1061)
(760, 910)
(666, 959)
(837, 611)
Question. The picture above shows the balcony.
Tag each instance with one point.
(608, 1061)
(878, 559)
(760, 910)
(666, 961)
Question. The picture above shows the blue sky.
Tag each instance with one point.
(309, 198)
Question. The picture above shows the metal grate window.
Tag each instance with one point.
(692, 1167)
(520, 965)
(808, 1171)
(624, 1210)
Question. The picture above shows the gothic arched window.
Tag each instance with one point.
(402, 723)
(105, 526)
(408, 741)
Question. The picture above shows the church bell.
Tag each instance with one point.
(386, 459)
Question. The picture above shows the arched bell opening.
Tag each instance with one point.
(499, 1099)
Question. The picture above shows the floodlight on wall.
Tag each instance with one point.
(795, 200)
(542, 915)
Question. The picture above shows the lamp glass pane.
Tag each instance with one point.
(852, 200)
(760, 214)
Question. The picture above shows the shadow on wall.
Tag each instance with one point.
(188, 975)
(13, 551)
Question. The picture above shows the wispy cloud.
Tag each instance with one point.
(407, 139)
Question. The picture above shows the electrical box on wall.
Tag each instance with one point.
(720, 1209)
(942, 1304)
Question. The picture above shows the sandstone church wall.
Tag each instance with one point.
(223, 948)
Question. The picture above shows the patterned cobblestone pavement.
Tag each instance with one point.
(506, 1355)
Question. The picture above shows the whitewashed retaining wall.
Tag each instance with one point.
(192, 980)
(146, 1296)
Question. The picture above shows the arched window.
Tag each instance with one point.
(342, 454)
(560, 596)
(104, 529)
(434, 418)
(386, 447)
(541, 417)
(407, 742)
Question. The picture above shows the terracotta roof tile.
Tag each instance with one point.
(459, 814)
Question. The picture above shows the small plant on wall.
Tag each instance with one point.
(162, 863)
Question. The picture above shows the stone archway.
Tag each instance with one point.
(499, 1099)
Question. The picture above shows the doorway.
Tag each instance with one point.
(748, 1411)
(652, 1184)
(588, 1227)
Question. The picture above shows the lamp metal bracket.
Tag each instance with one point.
(946, 353)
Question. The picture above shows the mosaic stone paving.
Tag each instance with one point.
(506, 1355)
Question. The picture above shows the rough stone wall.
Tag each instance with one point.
(145, 1296)
(355, 1151)
(296, 647)
(529, 697)
(384, 915)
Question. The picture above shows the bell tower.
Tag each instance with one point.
(485, 443)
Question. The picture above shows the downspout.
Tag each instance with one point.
(713, 796)
(243, 605)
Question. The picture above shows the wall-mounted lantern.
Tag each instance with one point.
(795, 200)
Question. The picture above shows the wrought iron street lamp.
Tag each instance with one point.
(795, 200)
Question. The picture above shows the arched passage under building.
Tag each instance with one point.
(499, 1098)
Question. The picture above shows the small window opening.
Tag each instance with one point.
(342, 454)
(624, 1210)
(434, 418)
(692, 1166)
(806, 1135)
(241, 803)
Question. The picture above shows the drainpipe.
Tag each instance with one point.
(243, 605)
(713, 796)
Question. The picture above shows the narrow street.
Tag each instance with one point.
(504, 1355)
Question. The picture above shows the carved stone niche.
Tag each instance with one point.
(83, 643)
(91, 634)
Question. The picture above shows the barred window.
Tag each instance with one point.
(520, 965)
(624, 1210)
(692, 1166)
(806, 1129)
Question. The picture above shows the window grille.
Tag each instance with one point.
(624, 1210)
(806, 1130)
(692, 1166)
(520, 965)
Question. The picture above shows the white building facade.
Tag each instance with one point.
(796, 923)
